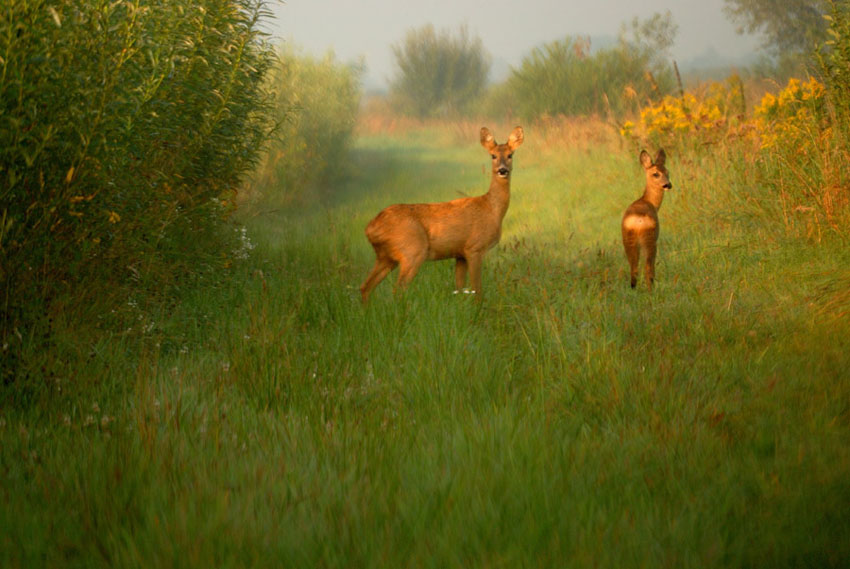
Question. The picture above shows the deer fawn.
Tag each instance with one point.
(640, 221)
(464, 229)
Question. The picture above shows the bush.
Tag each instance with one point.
(125, 129)
(834, 59)
(317, 104)
(693, 119)
(565, 77)
(789, 153)
(440, 75)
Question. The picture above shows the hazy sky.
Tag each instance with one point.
(509, 30)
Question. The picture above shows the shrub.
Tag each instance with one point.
(125, 129)
(566, 77)
(792, 161)
(692, 119)
(316, 105)
(788, 119)
(439, 74)
(834, 60)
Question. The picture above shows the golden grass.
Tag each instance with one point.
(548, 134)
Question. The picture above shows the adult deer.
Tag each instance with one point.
(407, 235)
(640, 221)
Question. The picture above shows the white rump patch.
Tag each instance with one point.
(638, 222)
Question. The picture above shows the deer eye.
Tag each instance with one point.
(656, 175)
(511, 155)
(493, 156)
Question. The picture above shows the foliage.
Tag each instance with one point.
(790, 145)
(694, 117)
(789, 26)
(653, 36)
(125, 129)
(566, 77)
(789, 119)
(793, 152)
(317, 104)
(834, 60)
(439, 74)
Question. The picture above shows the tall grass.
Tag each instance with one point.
(566, 420)
(787, 157)
(268, 418)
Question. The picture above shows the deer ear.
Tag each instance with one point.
(487, 140)
(660, 158)
(645, 159)
(516, 138)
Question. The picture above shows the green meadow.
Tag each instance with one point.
(566, 420)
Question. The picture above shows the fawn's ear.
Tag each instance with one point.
(645, 159)
(487, 140)
(660, 158)
(516, 138)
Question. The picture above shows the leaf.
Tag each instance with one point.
(55, 15)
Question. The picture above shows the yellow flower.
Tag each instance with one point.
(789, 94)
(114, 217)
(813, 89)
(767, 104)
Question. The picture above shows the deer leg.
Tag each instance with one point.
(379, 271)
(461, 267)
(408, 267)
(632, 254)
(474, 262)
(649, 270)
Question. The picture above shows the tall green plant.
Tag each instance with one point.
(439, 74)
(834, 59)
(124, 126)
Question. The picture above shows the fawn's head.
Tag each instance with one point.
(656, 174)
(501, 154)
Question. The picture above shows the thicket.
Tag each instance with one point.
(126, 127)
(791, 153)
(834, 63)
(567, 77)
(317, 101)
(439, 74)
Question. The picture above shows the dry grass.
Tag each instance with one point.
(556, 134)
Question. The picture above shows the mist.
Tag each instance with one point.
(364, 32)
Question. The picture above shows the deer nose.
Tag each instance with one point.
(503, 171)
(668, 186)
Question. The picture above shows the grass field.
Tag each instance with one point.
(565, 421)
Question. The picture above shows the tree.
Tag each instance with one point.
(439, 74)
(789, 26)
(653, 36)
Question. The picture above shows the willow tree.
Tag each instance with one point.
(439, 73)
